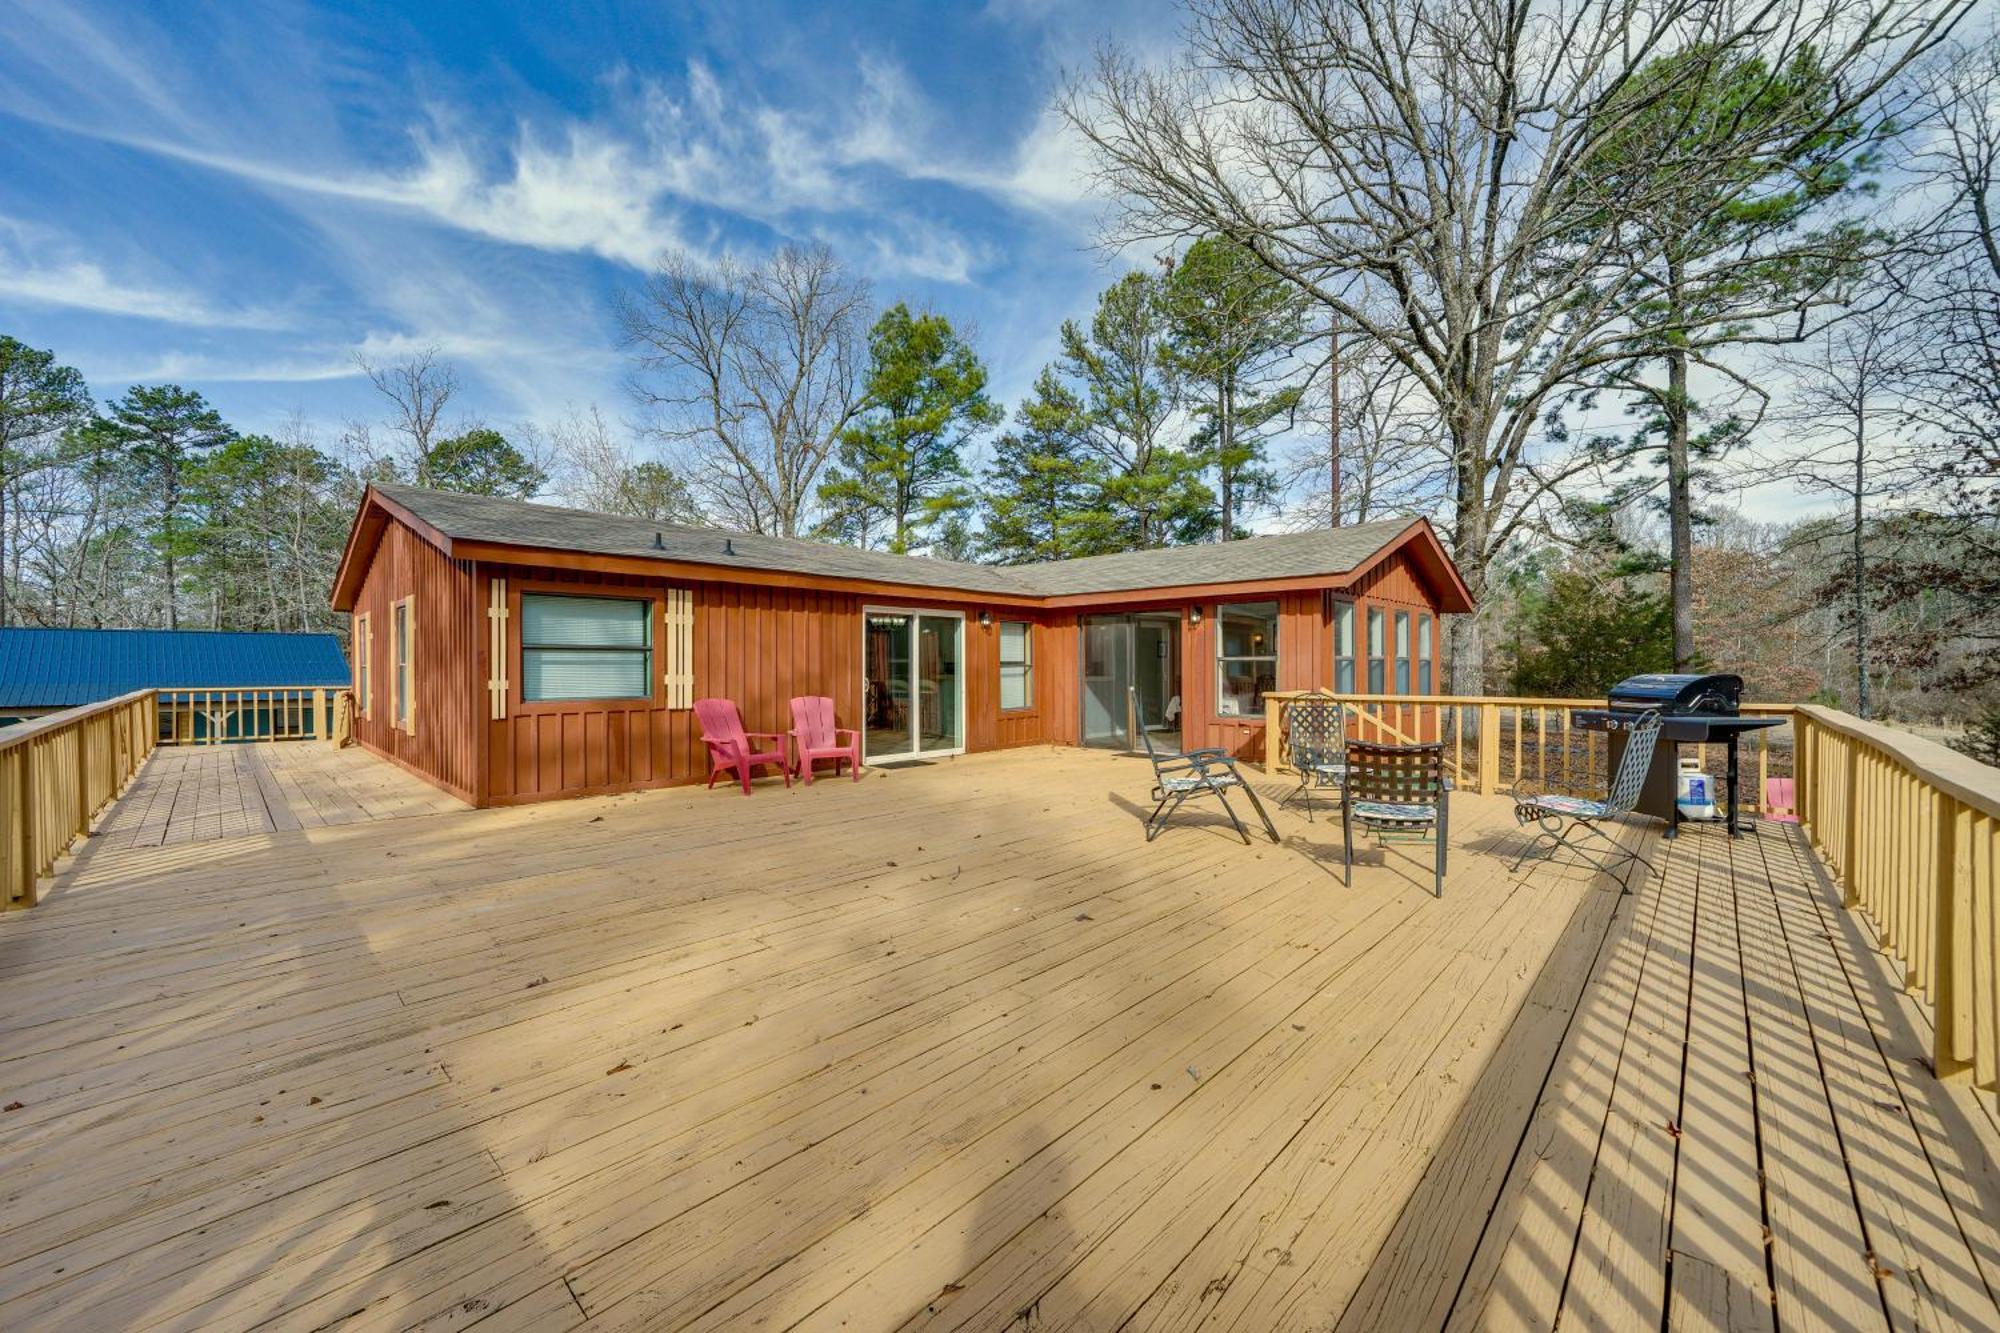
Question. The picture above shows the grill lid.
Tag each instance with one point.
(1680, 695)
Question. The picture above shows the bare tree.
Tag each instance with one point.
(752, 372)
(419, 388)
(1846, 437)
(1412, 166)
(1394, 455)
(594, 470)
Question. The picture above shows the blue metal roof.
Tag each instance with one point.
(58, 668)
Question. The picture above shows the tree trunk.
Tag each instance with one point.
(1860, 569)
(1680, 508)
(1226, 434)
(6, 541)
(1333, 433)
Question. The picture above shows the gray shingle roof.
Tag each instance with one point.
(482, 518)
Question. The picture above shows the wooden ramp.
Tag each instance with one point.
(193, 793)
(953, 1047)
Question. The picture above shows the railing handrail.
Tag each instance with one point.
(1958, 776)
(27, 730)
(244, 689)
(1473, 700)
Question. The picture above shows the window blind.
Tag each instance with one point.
(585, 648)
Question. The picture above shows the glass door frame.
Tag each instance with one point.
(1127, 740)
(916, 750)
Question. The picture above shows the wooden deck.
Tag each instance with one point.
(953, 1048)
(193, 793)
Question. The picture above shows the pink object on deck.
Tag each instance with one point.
(1781, 801)
(729, 748)
(818, 738)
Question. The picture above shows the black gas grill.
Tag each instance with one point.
(1692, 709)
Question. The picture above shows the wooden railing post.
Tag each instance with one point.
(1851, 834)
(1489, 748)
(1953, 998)
(1274, 711)
(36, 809)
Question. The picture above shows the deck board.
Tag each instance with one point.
(948, 1048)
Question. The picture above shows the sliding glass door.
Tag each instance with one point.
(913, 691)
(1125, 653)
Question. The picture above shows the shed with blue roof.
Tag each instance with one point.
(44, 670)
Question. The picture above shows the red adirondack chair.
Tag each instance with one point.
(729, 748)
(815, 738)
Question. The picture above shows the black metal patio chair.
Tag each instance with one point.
(1557, 817)
(1178, 778)
(1398, 791)
(1315, 746)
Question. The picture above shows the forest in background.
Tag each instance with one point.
(1691, 284)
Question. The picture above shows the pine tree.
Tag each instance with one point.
(1233, 327)
(901, 468)
(1042, 493)
(165, 432)
(1122, 371)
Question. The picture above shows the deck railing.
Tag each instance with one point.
(254, 713)
(1912, 831)
(56, 773)
(1495, 743)
(1909, 829)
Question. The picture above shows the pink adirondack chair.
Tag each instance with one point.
(729, 748)
(815, 738)
(1781, 799)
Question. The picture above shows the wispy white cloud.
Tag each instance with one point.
(41, 267)
(622, 186)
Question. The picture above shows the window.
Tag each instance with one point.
(1017, 665)
(1246, 657)
(399, 665)
(364, 673)
(585, 647)
(1343, 647)
(1424, 654)
(1377, 669)
(1402, 652)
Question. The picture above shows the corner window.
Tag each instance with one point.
(1378, 667)
(1343, 647)
(364, 674)
(399, 665)
(1402, 652)
(1246, 657)
(1017, 665)
(1424, 677)
(585, 647)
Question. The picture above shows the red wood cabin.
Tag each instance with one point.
(513, 652)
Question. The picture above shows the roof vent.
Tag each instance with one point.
(728, 546)
(659, 541)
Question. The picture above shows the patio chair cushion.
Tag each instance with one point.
(1217, 777)
(1386, 813)
(1574, 807)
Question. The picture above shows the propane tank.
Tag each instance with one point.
(1694, 793)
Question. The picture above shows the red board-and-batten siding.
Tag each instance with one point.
(759, 645)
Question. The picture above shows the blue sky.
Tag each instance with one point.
(239, 197)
